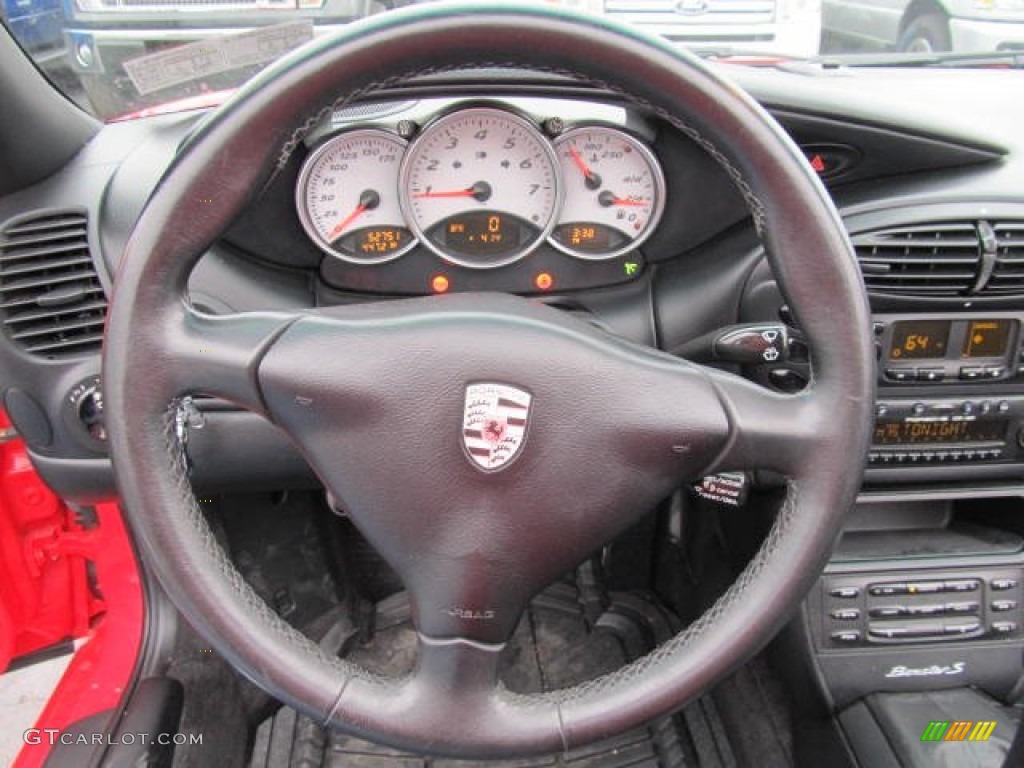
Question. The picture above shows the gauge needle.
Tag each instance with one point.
(608, 199)
(590, 179)
(481, 191)
(367, 202)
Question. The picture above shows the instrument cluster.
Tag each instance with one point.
(480, 187)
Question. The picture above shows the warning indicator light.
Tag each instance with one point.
(818, 163)
(544, 281)
(440, 284)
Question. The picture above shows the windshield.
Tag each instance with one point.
(126, 58)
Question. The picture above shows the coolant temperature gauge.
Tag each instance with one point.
(614, 193)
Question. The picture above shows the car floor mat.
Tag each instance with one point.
(553, 647)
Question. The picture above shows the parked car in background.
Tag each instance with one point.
(103, 34)
(792, 27)
(38, 25)
(922, 26)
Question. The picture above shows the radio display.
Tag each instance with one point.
(919, 339)
(986, 338)
(892, 432)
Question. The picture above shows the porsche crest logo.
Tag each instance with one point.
(494, 424)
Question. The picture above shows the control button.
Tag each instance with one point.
(925, 587)
(1003, 605)
(845, 614)
(873, 458)
(962, 629)
(900, 374)
(928, 456)
(846, 636)
(967, 407)
(930, 374)
(1004, 627)
(914, 456)
(845, 593)
(887, 590)
(1001, 585)
(905, 632)
(1004, 406)
(881, 409)
(918, 409)
(965, 607)
(986, 406)
(899, 457)
(961, 585)
(971, 373)
(887, 612)
(886, 633)
(995, 371)
(926, 610)
(1020, 370)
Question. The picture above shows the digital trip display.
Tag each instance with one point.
(937, 432)
(919, 339)
(483, 233)
(986, 338)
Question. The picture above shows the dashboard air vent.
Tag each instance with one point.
(1008, 273)
(928, 260)
(51, 300)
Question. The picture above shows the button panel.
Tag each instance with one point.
(862, 610)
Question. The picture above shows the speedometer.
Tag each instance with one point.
(347, 197)
(480, 187)
(615, 192)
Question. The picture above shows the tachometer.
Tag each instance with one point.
(480, 187)
(347, 197)
(614, 192)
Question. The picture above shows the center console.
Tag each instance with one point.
(951, 398)
(925, 590)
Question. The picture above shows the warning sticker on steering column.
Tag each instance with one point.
(729, 488)
(194, 61)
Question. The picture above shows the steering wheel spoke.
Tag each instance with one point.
(768, 430)
(218, 354)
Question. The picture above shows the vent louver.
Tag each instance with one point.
(928, 260)
(1008, 273)
(51, 300)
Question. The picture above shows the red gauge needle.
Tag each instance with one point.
(590, 179)
(608, 199)
(367, 202)
(481, 191)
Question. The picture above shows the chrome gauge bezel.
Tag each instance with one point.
(468, 113)
(302, 205)
(660, 188)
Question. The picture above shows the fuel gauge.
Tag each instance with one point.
(614, 192)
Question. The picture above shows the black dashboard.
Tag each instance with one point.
(931, 190)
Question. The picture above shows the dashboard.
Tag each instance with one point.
(533, 184)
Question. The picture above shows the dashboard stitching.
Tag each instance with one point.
(754, 204)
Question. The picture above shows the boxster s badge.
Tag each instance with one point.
(494, 424)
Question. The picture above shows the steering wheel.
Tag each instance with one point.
(375, 395)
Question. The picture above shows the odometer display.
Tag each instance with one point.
(370, 242)
(478, 169)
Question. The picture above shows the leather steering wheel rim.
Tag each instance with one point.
(158, 349)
